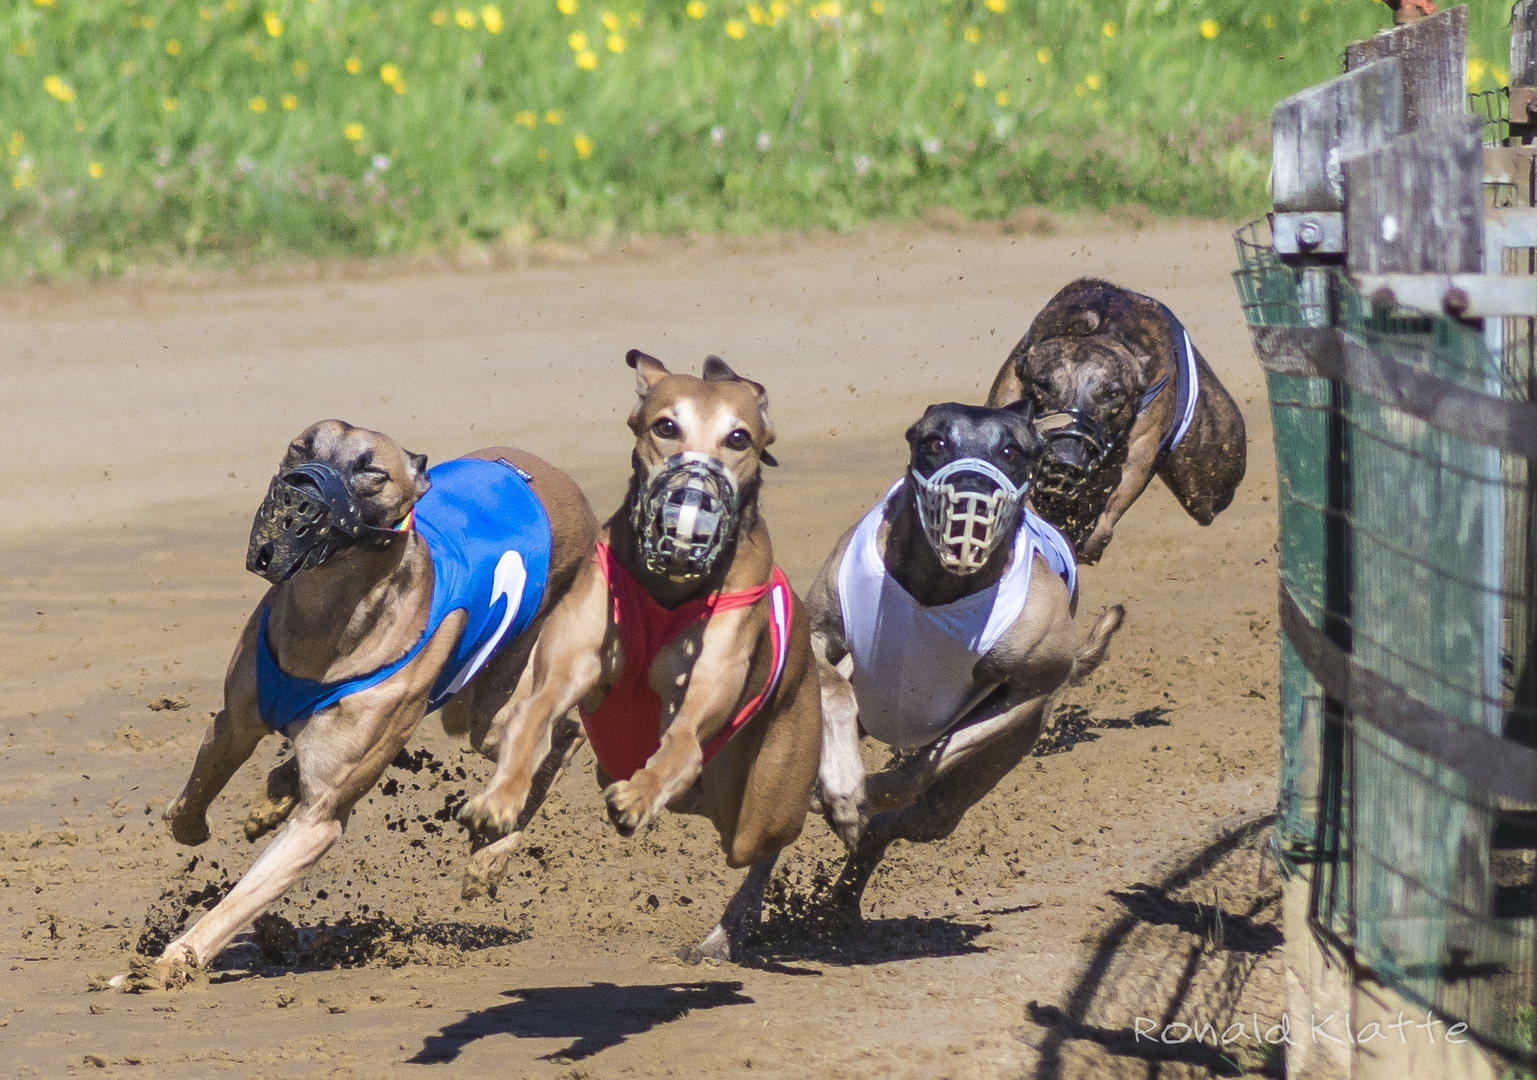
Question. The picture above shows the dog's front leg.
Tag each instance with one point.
(1136, 474)
(700, 679)
(228, 744)
(841, 771)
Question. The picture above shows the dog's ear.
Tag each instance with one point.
(1024, 407)
(717, 370)
(762, 396)
(417, 463)
(302, 449)
(648, 371)
(1082, 323)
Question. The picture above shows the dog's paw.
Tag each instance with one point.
(1095, 545)
(631, 804)
(174, 970)
(488, 816)
(186, 827)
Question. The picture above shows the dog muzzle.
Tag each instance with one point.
(1078, 472)
(685, 514)
(968, 508)
(308, 516)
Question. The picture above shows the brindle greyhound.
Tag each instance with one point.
(361, 636)
(683, 645)
(942, 625)
(1122, 393)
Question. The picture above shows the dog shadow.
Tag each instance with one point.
(594, 1017)
(847, 943)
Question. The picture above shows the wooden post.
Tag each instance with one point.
(1415, 205)
(1435, 56)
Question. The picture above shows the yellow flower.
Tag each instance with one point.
(1501, 76)
(491, 18)
(696, 9)
(353, 132)
(23, 175)
(1091, 81)
(1476, 69)
(290, 101)
(526, 118)
(400, 86)
(127, 68)
(1002, 99)
(979, 79)
(1043, 56)
(973, 34)
(587, 60)
(583, 147)
(1078, 90)
(95, 170)
(543, 154)
(439, 17)
(300, 67)
(465, 18)
(876, 7)
(610, 22)
(577, 40)
(634, 19)
(566, 7)
(552, 117)
(231, 6)
(615, 43)
(999, 6)
(736, 29)
(43, 3)
(18, 140)
(1209, 28)
(1269, 21)
(389, 74)
(173, 47)
(1108, 29)
(205, 13)
(1304, 15)
(169, 104)
(755, 13)
(273, 23)
(353, 65)
(258, 104)
(58, 88)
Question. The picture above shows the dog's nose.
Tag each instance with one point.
(1071, 450)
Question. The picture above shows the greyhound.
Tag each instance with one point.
(1121, 393)
(942, 626)
(395, 590)
(683, 645)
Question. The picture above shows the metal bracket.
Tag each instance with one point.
(1308, 232)
(1463, 296)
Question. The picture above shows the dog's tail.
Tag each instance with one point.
(1096, 645)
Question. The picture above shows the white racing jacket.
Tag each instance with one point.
(913, 664)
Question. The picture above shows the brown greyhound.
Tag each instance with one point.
(942, 626)
(395, 590)
(683, 645)
(1122, 394)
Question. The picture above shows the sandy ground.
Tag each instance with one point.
(1121, 878)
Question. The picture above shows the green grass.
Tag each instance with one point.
(164, 130)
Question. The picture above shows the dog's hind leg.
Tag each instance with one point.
(841, 771)
(229, 742)
(728, 939)
(488, 864)
(274, 804)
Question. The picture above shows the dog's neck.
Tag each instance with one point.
(910, 558)
(354, 613)
(670, 592)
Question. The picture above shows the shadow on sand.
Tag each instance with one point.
(594, 1017)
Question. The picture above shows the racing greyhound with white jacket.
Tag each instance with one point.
(942, 626)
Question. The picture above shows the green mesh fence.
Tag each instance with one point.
(1410, 549)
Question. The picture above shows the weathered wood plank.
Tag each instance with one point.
(1415, 205)
(1435, 56)
(1313, 131)
(1523, 44)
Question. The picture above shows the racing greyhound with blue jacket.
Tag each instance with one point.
(396, 590)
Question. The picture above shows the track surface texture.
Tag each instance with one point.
(1121, 875)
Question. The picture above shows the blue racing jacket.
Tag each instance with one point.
(489, 538)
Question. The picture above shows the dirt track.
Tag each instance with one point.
(141, 425)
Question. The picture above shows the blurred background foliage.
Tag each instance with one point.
(226, 131)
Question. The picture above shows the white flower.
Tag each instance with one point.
(380, 162)
(861, 164)
(764, 140)
(931, 146)
(717, 135)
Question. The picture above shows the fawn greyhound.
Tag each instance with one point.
(942, 625)
(395, 590)
(1121, 393)
(682, 644)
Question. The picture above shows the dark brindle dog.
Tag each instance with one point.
(1121, 393)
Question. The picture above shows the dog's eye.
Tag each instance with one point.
(1010, 453)
(739, 439)
(371, 477)
(936, 444)
(665, 428)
